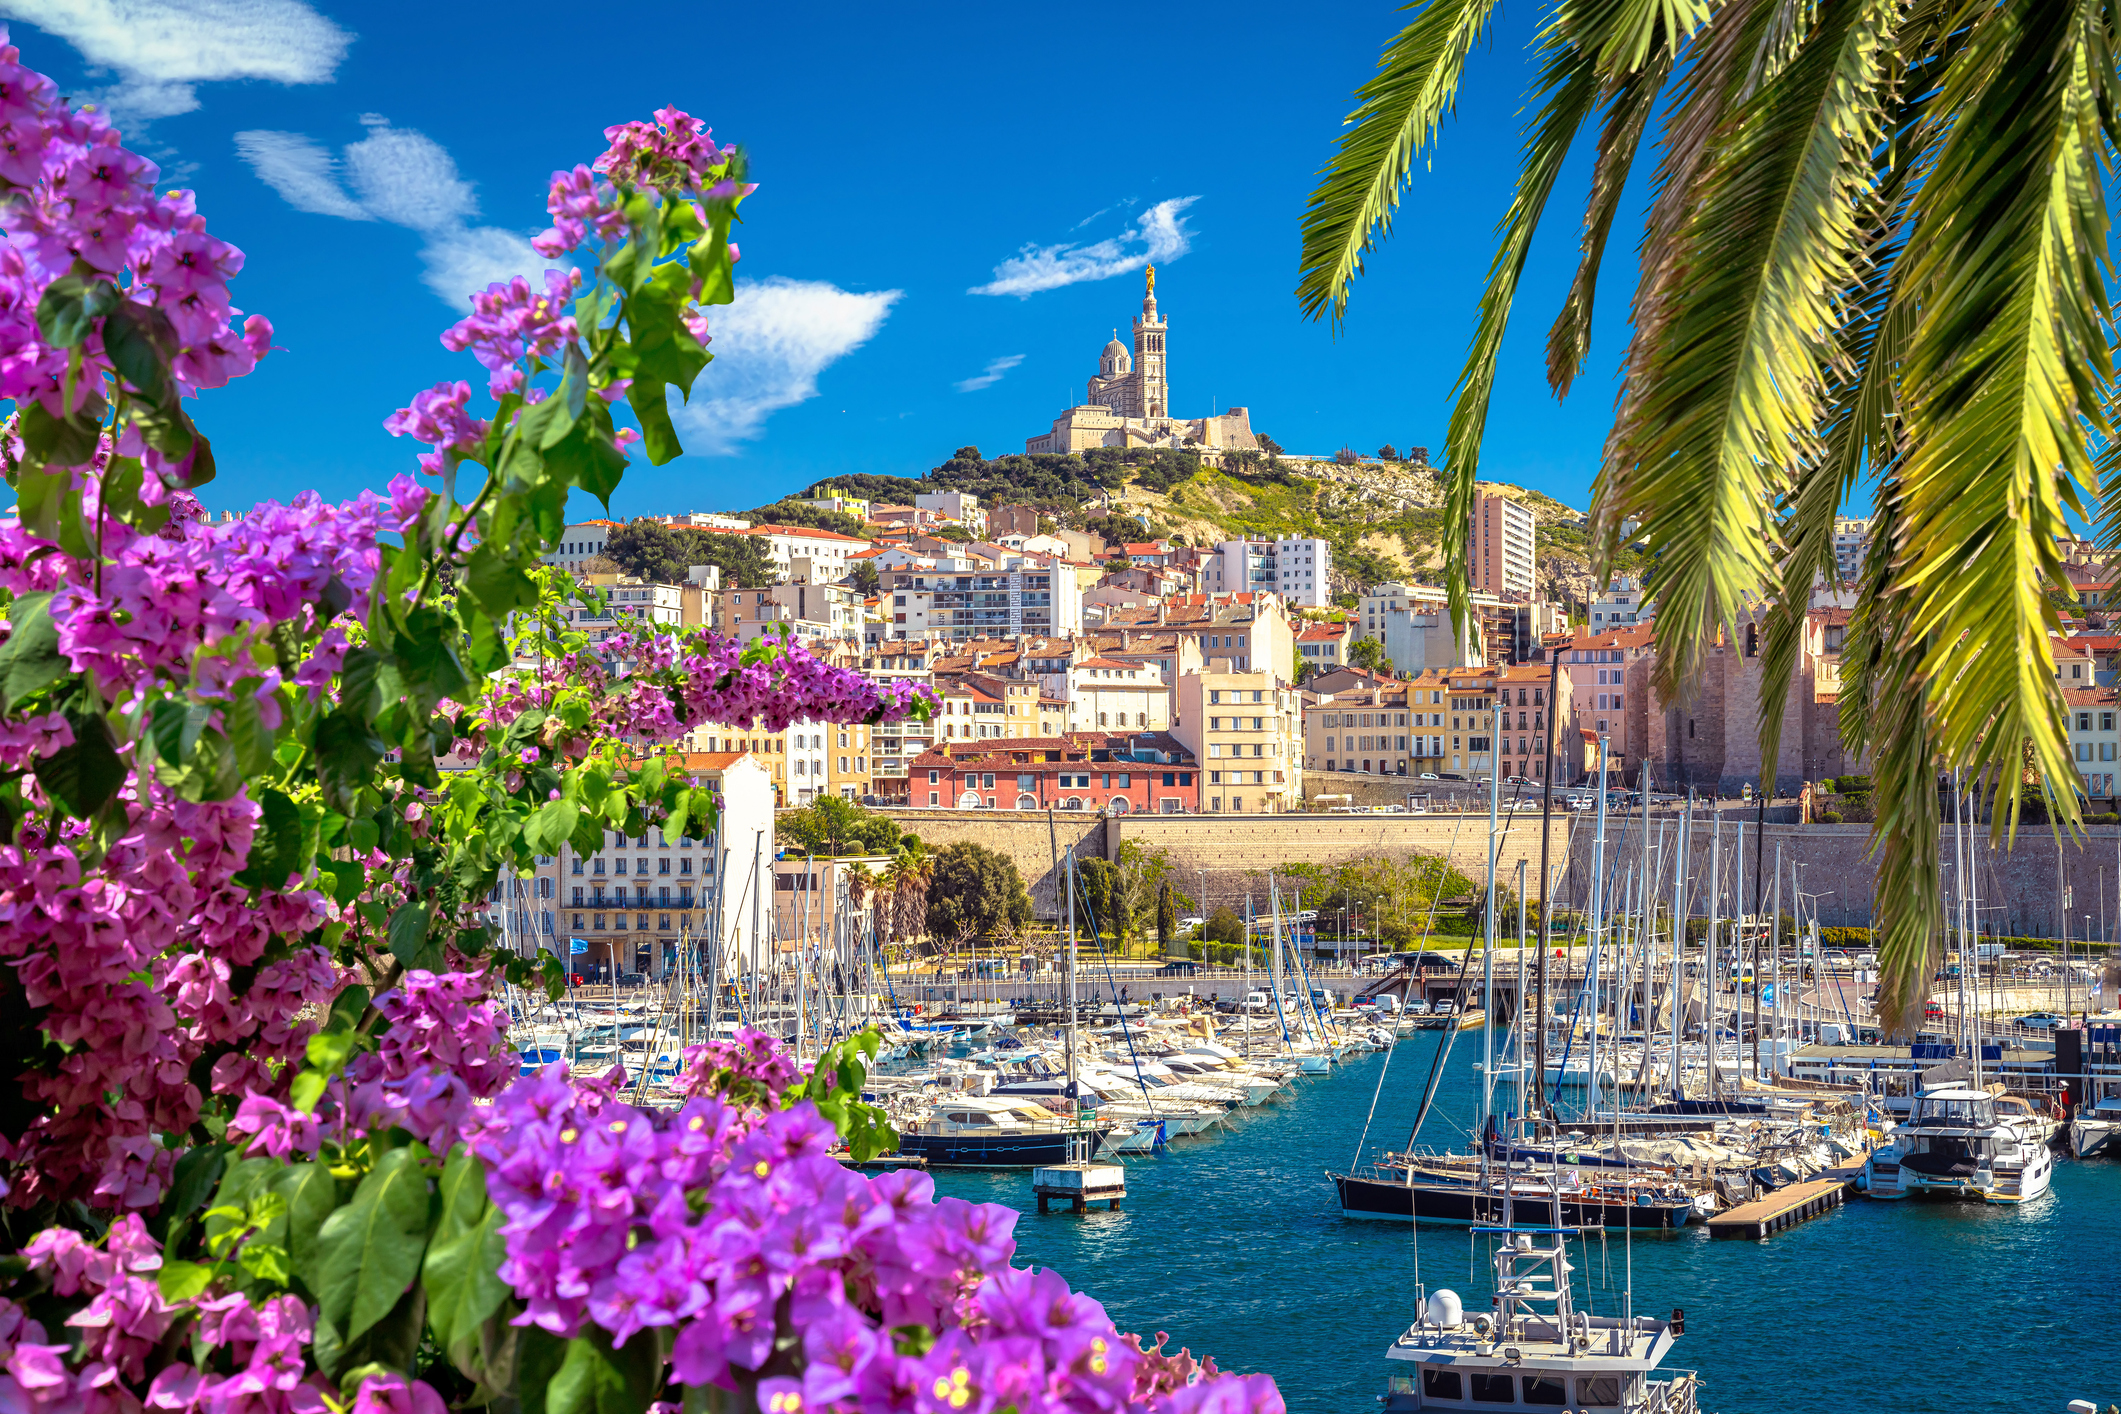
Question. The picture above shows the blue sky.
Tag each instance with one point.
(922, 169)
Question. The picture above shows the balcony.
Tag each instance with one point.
(882, 768)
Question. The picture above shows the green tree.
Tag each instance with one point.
(1117, 530)
(809, 517)
(832, 826)
(1102, 897)
(649, 549)
(1166, 917)
(974, 891)
(1369, 653)
(1224, 928)
(865, 578)
(1876, 248)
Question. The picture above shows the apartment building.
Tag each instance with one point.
(1852, 541)
(958, 600)
(1609, 679)
(1100, 771)
(830, 554)
(1503, 556)
(580, 541)
(977, 706)
(1367, 728)
(1320, 647)
(1412, 622)
(848, 768)
(1116, 694)
(812, 612)
(2093, 738)
(1297, 569)
(954, 506)
(634, 903)
(1621, 605)
(1246, 731)
(631, 605)
(1521, 746)
(793, 758)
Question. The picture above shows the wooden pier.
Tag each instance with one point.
(1785, 1207)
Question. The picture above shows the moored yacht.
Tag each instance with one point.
(1534, 1349)
(2097, 1120)
(993, 1132)
(1954, 1145)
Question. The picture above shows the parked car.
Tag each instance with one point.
(1180, 968)
(1190, 922)
(1417, 1007)
(1430, 776)
(2043, 1021)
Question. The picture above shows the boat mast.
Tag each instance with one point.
(1594, 926)
(1487, 954)
(1708, 968)
(1679, 903)
(1517, 1018)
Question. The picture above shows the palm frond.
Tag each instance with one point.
(2006, 371)
(1727, 402)
(1627, 118)
(1396, 117)
(1569, 82)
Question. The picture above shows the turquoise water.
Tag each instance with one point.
(1232, 1244)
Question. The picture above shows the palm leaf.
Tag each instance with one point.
(2006, 370)
(1728, 396)
(1569, 82)
(1396, 116)
(1627, 118)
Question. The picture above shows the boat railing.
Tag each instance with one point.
(1677, 1395)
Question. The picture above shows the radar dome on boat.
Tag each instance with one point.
(1445, 1308)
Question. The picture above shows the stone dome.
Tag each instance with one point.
(1115, 349)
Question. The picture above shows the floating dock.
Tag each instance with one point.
(1785, 1207)
(1079, 1185)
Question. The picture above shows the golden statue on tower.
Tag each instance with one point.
(1152, 279)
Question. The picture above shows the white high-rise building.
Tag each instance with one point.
(1298, 570)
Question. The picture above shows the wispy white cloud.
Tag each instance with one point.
(302, 172)
(992, 376)
(161, 50)
(404, 177)
(1160, 233)
(769, 348)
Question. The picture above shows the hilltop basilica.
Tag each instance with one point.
(1129, 402)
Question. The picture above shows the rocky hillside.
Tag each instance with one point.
(1384, 519)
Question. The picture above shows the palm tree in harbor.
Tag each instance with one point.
(1874, 255)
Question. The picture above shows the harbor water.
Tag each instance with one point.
(1233, 1245)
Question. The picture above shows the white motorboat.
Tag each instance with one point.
(2093, 1128)
(1954, 1145)
(1534, 1349)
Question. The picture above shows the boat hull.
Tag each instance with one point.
(2090, 1136)
(1001, 1151)
(1451, 1203)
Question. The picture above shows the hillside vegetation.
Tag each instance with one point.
(1384, 519)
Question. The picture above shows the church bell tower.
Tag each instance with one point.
(1149, 329)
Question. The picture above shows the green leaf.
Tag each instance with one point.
(193, 1178)
(70, 307)
(392, 1342)
(347, 752)
(539, 1355)
(136, 339)
(182, 1281)
(408, 932)
(85, 775)
(312, 1195)
(651, 408)
(370, 1249)
(30, 660)
(499, 584)
(596, 1379)
(553, 824)
(279, 847)
(460, 1274)
(54, 441)
(247, 733)
(589, 461)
